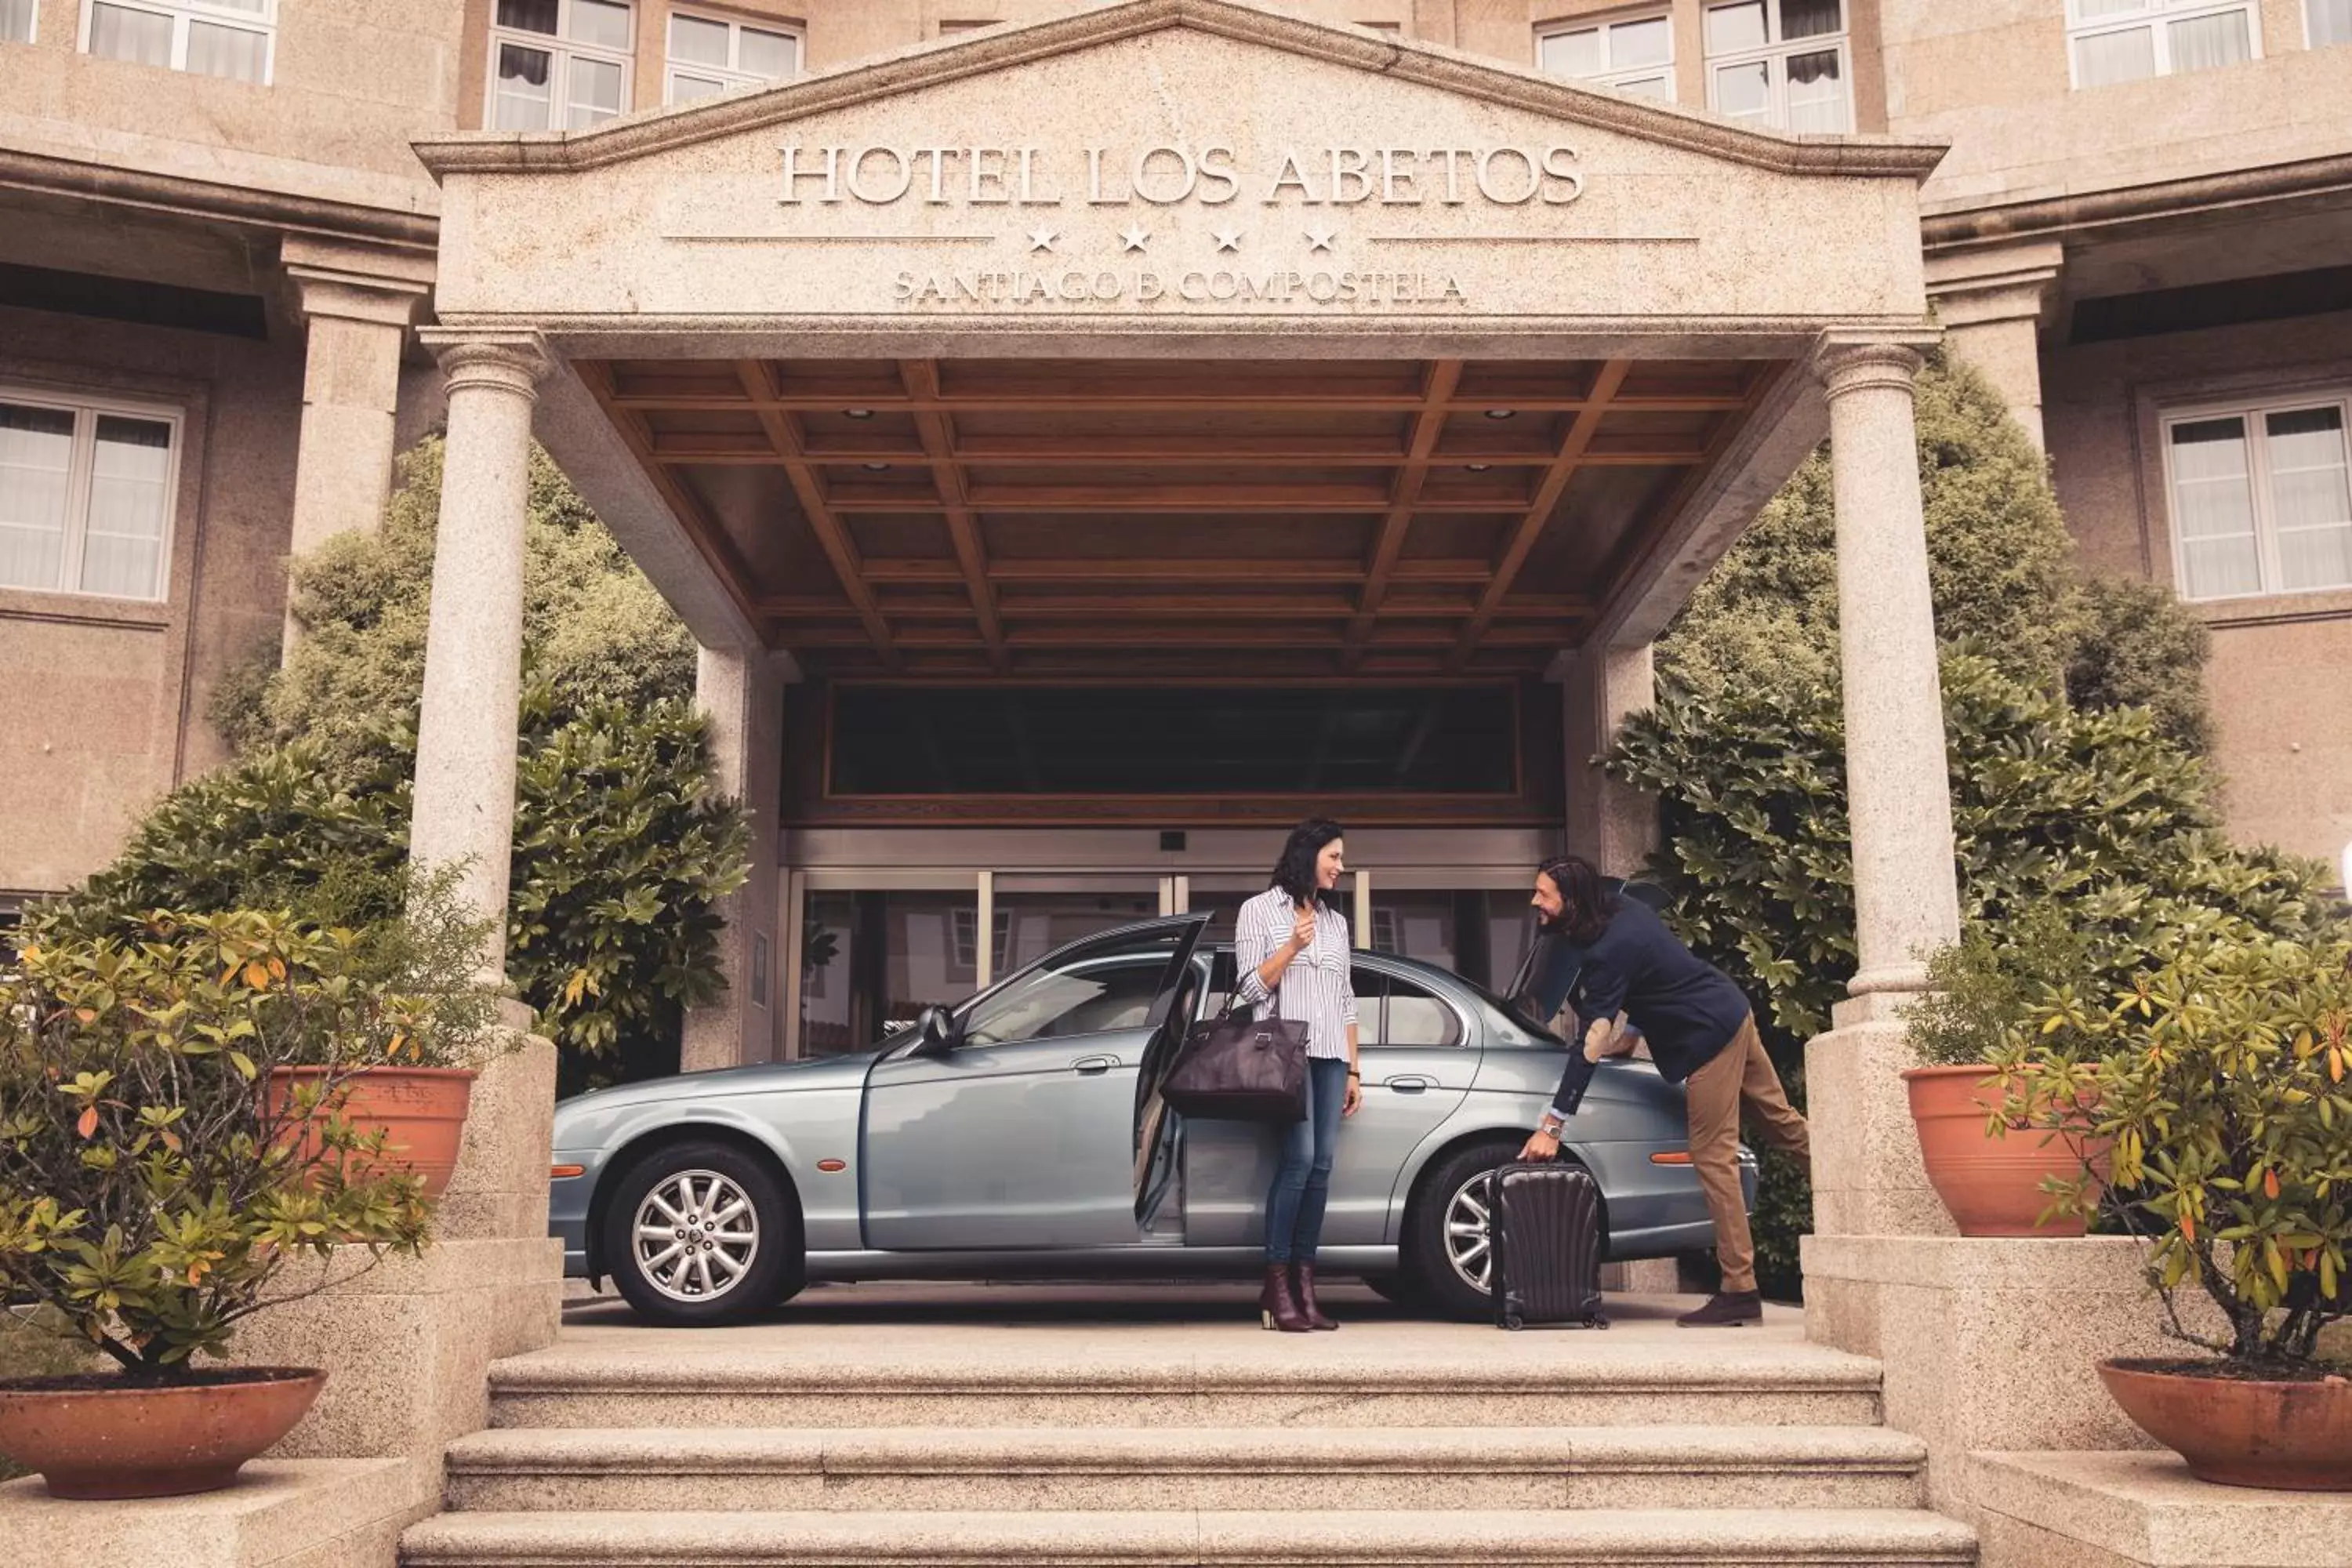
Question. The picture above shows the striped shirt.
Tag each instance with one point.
(1317, 988)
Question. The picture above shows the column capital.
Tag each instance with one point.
(1999, 283)
(356, 281)
(499, 362)
(1858, 363)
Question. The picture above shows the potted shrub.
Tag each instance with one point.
(2222, 1077)
(153, 1192)
(1988, 1155)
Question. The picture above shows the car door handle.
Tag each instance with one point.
(1412, 1083)
(1090, 1066)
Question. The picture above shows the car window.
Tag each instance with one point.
(1087, 997)
(1394, 1011)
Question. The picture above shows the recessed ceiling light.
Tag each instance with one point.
(1501, 413)
(1478, 468)
(857, 412)
(878, 468)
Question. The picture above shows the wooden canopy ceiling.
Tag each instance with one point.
(1286, 518)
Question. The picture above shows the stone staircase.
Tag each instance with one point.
(1388, 1442)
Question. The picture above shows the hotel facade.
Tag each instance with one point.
(1084, 438)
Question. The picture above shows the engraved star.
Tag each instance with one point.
(1136, 235)
(1318, 237)
(1229, 239)
(1042, 239)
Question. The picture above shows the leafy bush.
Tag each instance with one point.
(621, 850)
(2137, 643)
(2094, 814)
(595, 630)
(150, 1191)
(2220, 1074)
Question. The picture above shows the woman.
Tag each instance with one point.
(1291, 951)
(1621, 967)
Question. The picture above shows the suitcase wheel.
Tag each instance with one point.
(1514, 1322)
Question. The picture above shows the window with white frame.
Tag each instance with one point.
(85, 493)
(711, 55)
(558, 65)
(2328, 22)
(2262, 497)
(2124, 40)
(1780, 62)
(205, 37)
(1632, 53)
(19, 21)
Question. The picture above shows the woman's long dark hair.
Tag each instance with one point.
(1294, 872)
(1586, 899)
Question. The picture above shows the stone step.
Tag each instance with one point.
(1235, 1469)
(1617, 1538)
(1491, 1381)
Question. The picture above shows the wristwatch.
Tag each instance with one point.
(1552, 1125)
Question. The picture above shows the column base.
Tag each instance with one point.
(1988, 1342)
(1868, 1176)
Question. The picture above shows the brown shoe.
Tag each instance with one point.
(1276, 1308)
(1726, 1309)
(1302, 1281)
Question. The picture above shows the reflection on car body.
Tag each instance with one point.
(1021, 1133)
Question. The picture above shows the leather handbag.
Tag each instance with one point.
(1239, 1068)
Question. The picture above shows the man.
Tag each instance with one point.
(1619, 965)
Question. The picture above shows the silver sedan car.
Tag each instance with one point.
(1021, 1133)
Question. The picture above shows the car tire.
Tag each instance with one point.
(670, 1188)
(1431, 1269)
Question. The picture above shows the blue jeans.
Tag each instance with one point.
(1302, 1183)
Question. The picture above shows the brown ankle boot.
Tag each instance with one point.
(1276, 1308)
(1302, 1281)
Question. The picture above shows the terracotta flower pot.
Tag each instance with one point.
(98, 1437)
(2240, 1432)
(1993, 1185)
(422, 1109)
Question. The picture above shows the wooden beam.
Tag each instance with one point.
(1240, 400)
(702, 531)
(1431, 571)
(1427, 427)
(1581, 432)
(783, 433)
(922, 379)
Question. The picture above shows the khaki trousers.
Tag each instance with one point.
(1740, 1074)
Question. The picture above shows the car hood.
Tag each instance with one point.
(764, 1078)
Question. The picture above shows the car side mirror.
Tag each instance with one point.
(935, 1027)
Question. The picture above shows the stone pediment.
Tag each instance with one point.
(1165, 159)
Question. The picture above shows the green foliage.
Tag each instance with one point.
(621, 850)
(150, 1188)
(594, 631)
(1998, 558)
(2092, 814)
(2221, 1075)
(2142, 647)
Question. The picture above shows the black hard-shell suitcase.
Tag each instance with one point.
(1545, 1224)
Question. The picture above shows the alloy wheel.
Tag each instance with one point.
(695, 1236)
(1469, 1241)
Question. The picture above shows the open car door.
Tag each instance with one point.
(1023, 1131)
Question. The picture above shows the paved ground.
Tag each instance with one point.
(1143, 1322)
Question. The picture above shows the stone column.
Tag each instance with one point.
(1898, 789)
(741, 697)
(356, 302)
(1992, 304)
(1610, 823)
(463, 813)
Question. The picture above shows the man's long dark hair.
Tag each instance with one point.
(1586, 899)
(1294, 872)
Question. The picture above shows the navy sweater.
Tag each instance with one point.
(1689, 1009)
